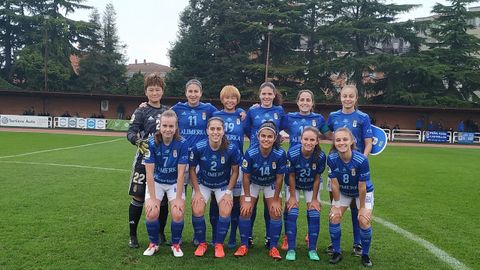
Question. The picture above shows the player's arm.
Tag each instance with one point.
(362, 192)
(292, 201)
(368, 146)
(233, 177)
(315, 204)
(180, 179)
(136, 125)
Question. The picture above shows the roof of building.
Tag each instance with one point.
(147, 67)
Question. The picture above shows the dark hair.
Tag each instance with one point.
(158, 136)
(278, 96)
(153, 79)
(352, 147)
(317, 150)
(225, 143)
(271, 126)
(194, 81)
(311, 94)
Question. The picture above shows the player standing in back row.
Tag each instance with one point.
(142, 124)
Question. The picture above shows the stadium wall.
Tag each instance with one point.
(122, 106)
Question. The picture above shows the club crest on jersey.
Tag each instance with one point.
(275, 116)
(314, 166)
(238, 121)
(222, 160)
(354, 124)
(204, 115)
(244, 163)
(175, 153)
(314, 123)
(353, 172)
(274, 165)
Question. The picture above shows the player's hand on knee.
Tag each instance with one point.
(335, 214)
(152, 209)
(314, 205)
(197, 200)
(179, 205)
(364, 217)
(291, 203)
(227, 200)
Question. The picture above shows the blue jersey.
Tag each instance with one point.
(358, 123)
(234, 127)
(166, 159)
(305, 169)
(263, 170)
(349, 174)
(257, 115)
(215, 166)
(192, 121)
(297, 122)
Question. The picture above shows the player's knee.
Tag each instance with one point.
(273, 214)
(198, 210)
(224, 210)
(138, 201)
(177, 215)
(364, 221)
(335, 218)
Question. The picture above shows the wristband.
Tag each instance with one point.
(248, 199)
(228, 192)
(336, 203)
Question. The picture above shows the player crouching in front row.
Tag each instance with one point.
(350, 174)
(165, 164)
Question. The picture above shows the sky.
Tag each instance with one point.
(149, 27)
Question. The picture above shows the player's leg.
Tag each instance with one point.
(237, 191)
(365, 222)
(135, 208)
(291, 228)
(275, 222)
(162, 219)
(151, 220)
(335, 228)
(329, 249)
(223, 222)
(357, 246)
(177, 224)
(245, 221)
(313, 221)
(198, 219)
(213, 216)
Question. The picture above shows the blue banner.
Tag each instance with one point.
(436, 136)
(466, 137)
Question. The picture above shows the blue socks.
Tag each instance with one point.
(176, 228)
(335, 235)
(366, 235)
(153, 228)
(291, 228)
(275, 231)
(199, 228)
(355, 225)
(245, 227)
(313, 218)
(222, 229)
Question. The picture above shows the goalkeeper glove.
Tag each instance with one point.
(142, 146)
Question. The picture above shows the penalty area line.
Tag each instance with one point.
(59, 149)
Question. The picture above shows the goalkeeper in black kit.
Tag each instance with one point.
(142, 125)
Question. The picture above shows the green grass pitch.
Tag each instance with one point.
(67, 209)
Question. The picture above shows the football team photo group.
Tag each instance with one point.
(194, 149)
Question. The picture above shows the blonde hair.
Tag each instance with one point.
(230, 90)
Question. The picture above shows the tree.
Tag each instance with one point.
(135, 84)
(53, 36)
(357, 30)
(102, 64)
(456, 50)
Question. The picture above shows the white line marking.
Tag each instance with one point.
(59, 149)
(66, 165)
(442, 255)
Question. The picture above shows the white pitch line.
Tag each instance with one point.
(58, 149)
(66, 165)
(437, 252)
